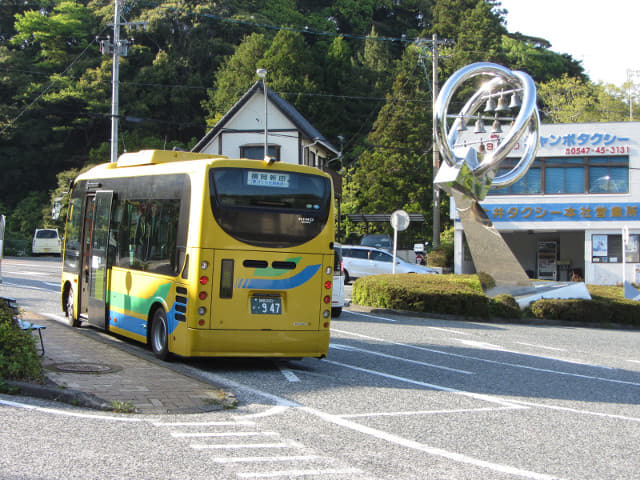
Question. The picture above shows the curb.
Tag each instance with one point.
(542, 322)
(55, 393)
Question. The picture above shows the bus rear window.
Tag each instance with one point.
(269, 208)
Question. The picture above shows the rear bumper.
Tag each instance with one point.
(252, 343)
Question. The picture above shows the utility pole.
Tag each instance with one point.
(423, 45)
(118, 48)
(436, 152)
(115, 80)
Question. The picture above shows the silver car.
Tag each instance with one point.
(360, 261)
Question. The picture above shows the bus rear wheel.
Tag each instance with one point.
(159, 334)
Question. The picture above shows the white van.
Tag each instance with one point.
(46, 241)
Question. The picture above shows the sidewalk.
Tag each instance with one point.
(84, 369)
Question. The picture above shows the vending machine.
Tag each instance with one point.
(547, 255)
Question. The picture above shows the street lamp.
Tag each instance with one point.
(262, 73)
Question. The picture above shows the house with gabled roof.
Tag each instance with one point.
(290, 137)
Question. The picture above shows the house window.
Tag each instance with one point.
(311, 158)
(256, 152)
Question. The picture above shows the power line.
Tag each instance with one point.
(47, 88)
(304, 30)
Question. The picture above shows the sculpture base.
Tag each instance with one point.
(537, 290)
(631, 292)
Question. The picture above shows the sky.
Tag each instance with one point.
(603, 35)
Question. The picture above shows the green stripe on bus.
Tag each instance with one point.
(130, 303)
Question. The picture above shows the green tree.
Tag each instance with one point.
(235, 76)
(55, 36)
(28, 214)
(475, 27)
(533, 56)
(395, 170)
(48, 119)
(571, 100)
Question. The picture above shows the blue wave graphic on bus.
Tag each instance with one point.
(279, 284)
(138, 326)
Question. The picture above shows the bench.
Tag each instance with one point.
(23, 325)
(32, 326)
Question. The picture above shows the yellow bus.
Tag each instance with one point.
(198, 255)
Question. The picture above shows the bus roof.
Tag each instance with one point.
(146, 162)
(151, 157)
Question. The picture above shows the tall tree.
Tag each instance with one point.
(475, 26)
(235, 76)
(570, 100)
(395, 170)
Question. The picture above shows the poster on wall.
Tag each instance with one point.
(599, 245)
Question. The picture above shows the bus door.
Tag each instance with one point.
(94, 278)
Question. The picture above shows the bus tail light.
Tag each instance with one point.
(202, 295)
(328, 284)
(204, 280)
(327, 299)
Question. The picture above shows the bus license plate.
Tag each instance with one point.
(266, 305)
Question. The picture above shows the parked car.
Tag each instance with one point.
(337, 296)
(46, 241)
(360, 261)
(377, 240)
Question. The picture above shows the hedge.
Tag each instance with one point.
(462, 295)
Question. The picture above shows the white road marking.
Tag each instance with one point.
(349, 348)
(373, 316)
(289, 375)
(431, 386)
(428, 412)
(20, 285)
(202, 424)
(506, 364)
(543, 347)
(449, 330)
(25, 273)
(69, 413)
(299, 473)
(579, 412)
(277, 410)
(265, 459)
(239, 446)
(486, 346)
(222, 434)
(404, 442)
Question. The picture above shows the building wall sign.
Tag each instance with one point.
(563, 212)
(572, 143)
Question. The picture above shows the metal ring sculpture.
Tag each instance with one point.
(527, 121)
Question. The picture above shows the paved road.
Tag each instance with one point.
(35, 281)
(398, 397)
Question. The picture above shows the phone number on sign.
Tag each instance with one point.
(600, 150)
